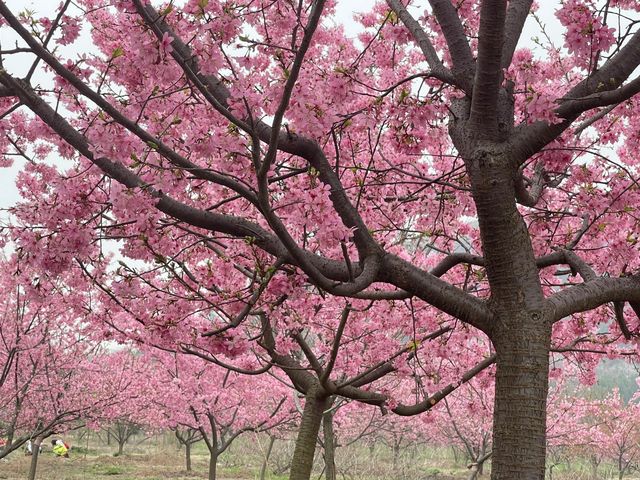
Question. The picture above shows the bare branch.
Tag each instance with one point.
(618, 308)
(308, 353)
(336, 345)
(428, 403)
(454, 259)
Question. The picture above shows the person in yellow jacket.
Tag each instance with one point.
(60, 448)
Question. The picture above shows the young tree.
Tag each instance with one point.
(54, 375)
(121, 430)
(615, 431)
(187, 437)
(214, 404)
(259, 134)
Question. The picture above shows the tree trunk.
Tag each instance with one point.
(477, 467)
(187, 449)
(520, 331)
(302, 461)
(519, 420)
(265, 461)
(213, 464)
(473, 472)
(329, 446)
(35, 454)
(454, 450)
(120, 448)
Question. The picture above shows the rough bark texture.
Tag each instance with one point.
(520, 404)
(329, 446)
(521, 331)
(302, 461)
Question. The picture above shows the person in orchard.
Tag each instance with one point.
(60, 449)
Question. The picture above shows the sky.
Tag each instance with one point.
(345, 11)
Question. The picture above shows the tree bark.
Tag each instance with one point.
(477, 468)
(187, 449)
(35, 454)
(302, 462)
(267, 455)
(329, 446)
(522, 375)
(213, 464)
(521, 329)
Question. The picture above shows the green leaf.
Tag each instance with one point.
(118, 52)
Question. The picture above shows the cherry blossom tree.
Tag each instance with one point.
(253, 153)
(202, 401)
(53, 374)
(614, 431)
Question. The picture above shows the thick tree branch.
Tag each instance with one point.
(486, 85)
(309, 354)
(579, 266)
(436, 292)
(454, 259)
(438, 70)
(217, 94)
(517, 13)
(603, 87)
(529, 197)
(459, 49)
(302, 379)
(592, 294)
(618, 308)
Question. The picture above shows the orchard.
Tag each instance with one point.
(392, 224)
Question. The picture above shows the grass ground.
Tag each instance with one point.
(159, 466)
(158, 458)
